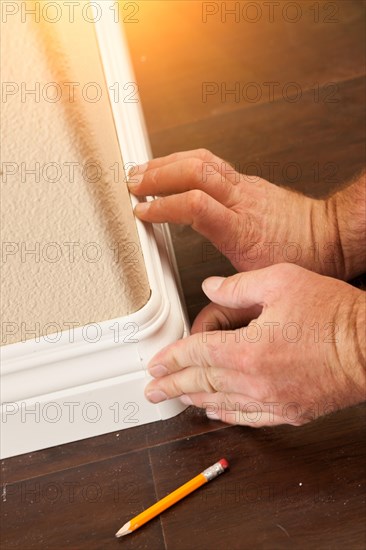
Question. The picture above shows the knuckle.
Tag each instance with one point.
(221, 319)
(280, 275)
(213, 353)
(247, 362)
(197, 202)
(238, 287)
(205, 154)
(152, 176)
(246, 179)
(205, 381)
(265, 392)
(174, 157)
(157, 206)
(195, 170)
(196, 350)
(174, 387)
(216, 380)
(286, 271)
(249, 226)
(231, 405)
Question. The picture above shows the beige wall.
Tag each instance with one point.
(75, 288)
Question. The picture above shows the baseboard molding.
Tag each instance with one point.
(57, 392)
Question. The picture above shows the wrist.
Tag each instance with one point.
(349, 207)
(352, 235)
(360, 338)
(317, 229)
(332, 231)
(305, 225)
(351, 347)
(330, 260)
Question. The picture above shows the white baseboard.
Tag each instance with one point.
(57, 392)
(54, 394)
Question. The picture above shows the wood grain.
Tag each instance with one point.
(81, 507)
(175, 52)
(287, 487)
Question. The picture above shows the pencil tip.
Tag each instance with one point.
(125, 530)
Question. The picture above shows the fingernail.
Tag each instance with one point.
(135, 181)
(141, 207)
(141, 168)
(158, 370)
(212, 415)
(155, 396)
(186, 400)
(136, 174)
(138, 169)
(212, 284)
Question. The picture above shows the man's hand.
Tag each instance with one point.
(251, 221)
(302, 354)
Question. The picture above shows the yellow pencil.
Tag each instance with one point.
(156, 509)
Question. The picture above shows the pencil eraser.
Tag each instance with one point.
(224, 463)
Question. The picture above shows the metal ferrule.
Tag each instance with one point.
(213, 471)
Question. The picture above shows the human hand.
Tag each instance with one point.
(302, 356)
(251, 221)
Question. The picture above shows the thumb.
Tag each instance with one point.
(242, 290)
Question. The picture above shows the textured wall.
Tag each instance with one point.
(62, 283)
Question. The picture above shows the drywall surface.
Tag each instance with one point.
(70, 250)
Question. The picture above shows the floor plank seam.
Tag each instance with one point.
(82, 465)
(156, 495)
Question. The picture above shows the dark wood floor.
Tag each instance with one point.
(287, 487)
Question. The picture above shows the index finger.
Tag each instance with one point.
(205, 349)
(221, 165)
(184, 175)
